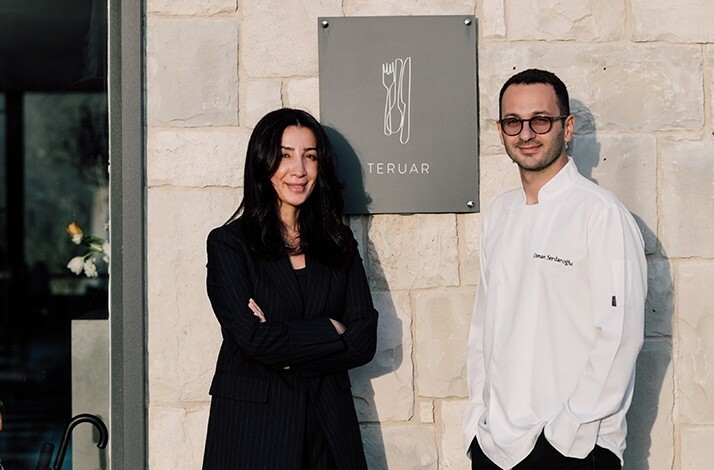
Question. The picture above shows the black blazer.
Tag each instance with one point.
(258, 408)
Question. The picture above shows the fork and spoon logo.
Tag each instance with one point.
(397, 81)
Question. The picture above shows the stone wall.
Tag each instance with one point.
(640, 76)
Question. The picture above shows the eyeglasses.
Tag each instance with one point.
(539, 124)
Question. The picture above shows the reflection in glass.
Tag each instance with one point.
(53, 170)
(66, 146)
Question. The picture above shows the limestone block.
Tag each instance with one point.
(442, 320)
(636, 87)
(196, 157)
(426, 411)
(492, 19)
(304, 93)
(191, 7)
(181, 321)
(687, 194)
(498, 175)
(192, 72)
(413, 251)
(627, 166)
(358, 224)
(384, 389)
(259, 98)
(489, 138)
(408, 7)
(589, 20)
(177, 436)
(400, 447)
(697, 451)
(280, 38)
(453, 453)
(471, 236)
(650, 435)
(695, 325)
(673, 21)
(659, 307)
(710, 86)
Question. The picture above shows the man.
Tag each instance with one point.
(559, 314)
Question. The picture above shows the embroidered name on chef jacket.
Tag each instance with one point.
(556, 259)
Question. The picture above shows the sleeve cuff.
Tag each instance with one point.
(571, 437)
(318, 330)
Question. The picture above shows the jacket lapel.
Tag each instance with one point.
(319, 277)
(281, 273)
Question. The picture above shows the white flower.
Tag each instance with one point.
(106, 249)
(90, 269)
(76, 264)
(97, 247)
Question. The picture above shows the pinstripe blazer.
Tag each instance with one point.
(258, 408)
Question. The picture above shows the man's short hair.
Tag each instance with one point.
(536, 76)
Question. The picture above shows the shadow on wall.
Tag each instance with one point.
(387, 360)
(389, 354)
(656, 355)
(349, 167)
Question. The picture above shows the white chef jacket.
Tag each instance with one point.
(558, 322)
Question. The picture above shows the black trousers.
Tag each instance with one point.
(545, 457)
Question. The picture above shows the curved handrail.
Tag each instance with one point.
(81, 418)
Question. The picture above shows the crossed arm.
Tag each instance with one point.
(313, 345)
(253, 306)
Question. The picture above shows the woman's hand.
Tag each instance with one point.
(261, 316)
(338, 326)
(256, 310)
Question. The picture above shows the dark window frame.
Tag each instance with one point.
(128, 422)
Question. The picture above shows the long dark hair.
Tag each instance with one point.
(323, 234)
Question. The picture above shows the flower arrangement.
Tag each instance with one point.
(96, 246)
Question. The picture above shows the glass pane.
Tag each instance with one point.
(54, 348)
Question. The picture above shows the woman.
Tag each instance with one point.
(287, 285)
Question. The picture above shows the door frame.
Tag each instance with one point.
(127, 206)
